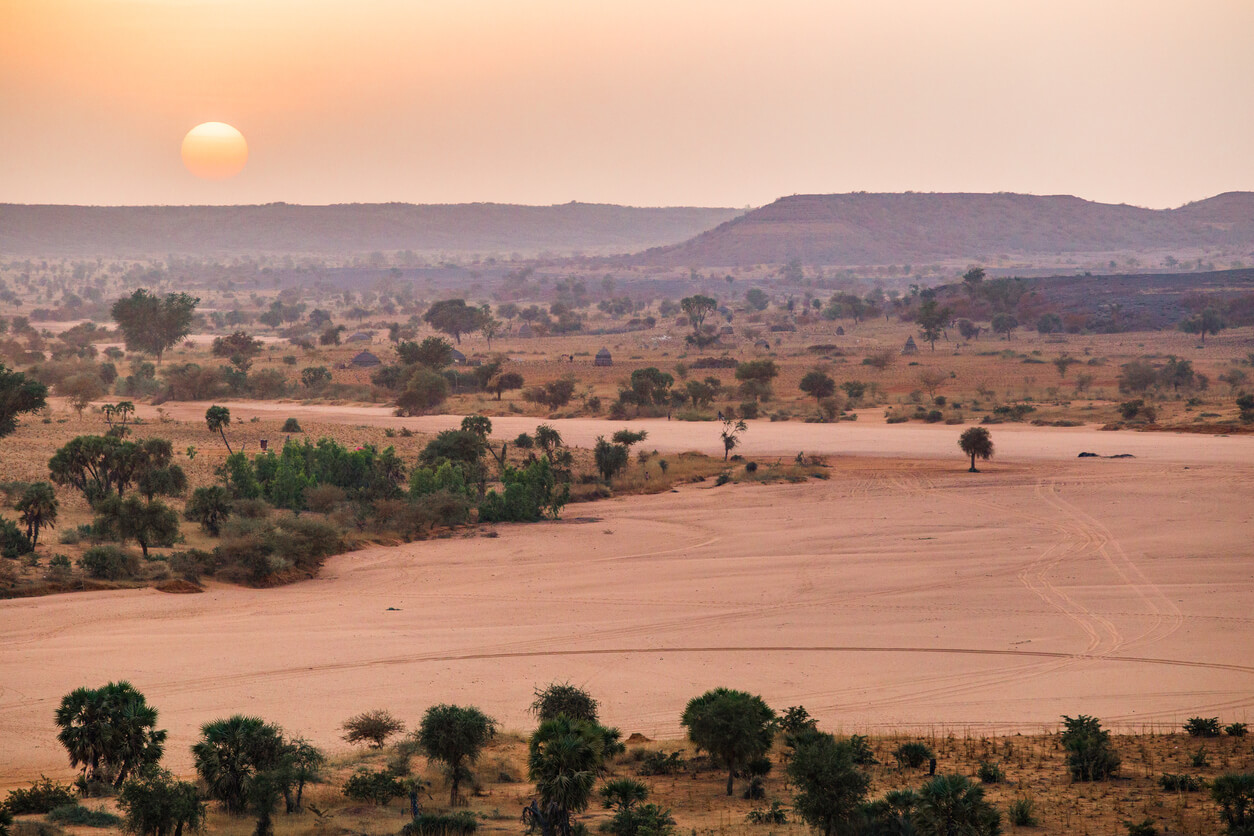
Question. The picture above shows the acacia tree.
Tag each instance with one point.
(734, 726)
(697, 307)
(454, 735)
(932, 319)
(976, 441)
(38, 507)
(817, 385)
(148, 523)
(18, 395)
(109, 731)
(454, 317)
(151, 323)
(1208, 321)
(372, 727)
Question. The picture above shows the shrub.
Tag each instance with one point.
(913, 754)
(375, 787)
(862, 753)
(1021, 813)
(373, 727)
(990, 773)
(642, 820)
(78, 815)
(775, 814)
(1090, 757)
(322, 499)
(109, 563)
(662, 763)
(13, 541)
(1235, 729)
(43, 796)
(1202, 726)
(1141, 828)
(291, 425)
(462, 823)
(564, 698)
(1179, 783)
(1234, 793)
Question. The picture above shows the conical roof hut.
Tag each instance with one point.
(603, 358)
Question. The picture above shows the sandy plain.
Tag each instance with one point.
(901, 593)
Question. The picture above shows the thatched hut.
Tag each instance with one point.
(365, 360)
(910, 347)
(603, 358)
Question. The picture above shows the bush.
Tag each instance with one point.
(375, 787)
(861, 748)
(462, 823)
(913, 754)
(291, 425)
(1179, 783)
(373, 727)
(1141, 828)
(1090, 757)
(564, 698)
(1235, 729)
(775, 814)
(41, 797)
(109, 563)
(13, 541)
(1202, 726)
(78, 815)
(1021, 813)
(990, 773)
(662, 763)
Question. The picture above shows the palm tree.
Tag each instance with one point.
(110, 731)
(38, 507)
(218, 418)
(566, 757)
(950, 805)
(230, 752)
(976, 441)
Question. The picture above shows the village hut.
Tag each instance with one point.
(365, 360)
(910, 347)
(762, 344)
(603, 358)
(359, 337)
(458, 357)
(525, 331)
(840, 330)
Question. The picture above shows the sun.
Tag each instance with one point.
(214, 151)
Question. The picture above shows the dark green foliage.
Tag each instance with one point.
(109, 563)
(1141, 828)
(611, 459)
(6, 822)
(565, 758)
(1090, 756)
(147, 523)
(315, 377)
(80, 816)
(554, 394)
(529, 494)
(18, 395)
(976, 442)
(796, 719)
(157, 804)
(454, 317)
(662, 763)
(1179, 783)
(1245, 403)
(1021, 813)
(1209, 321)
(13, 542)
(1236, 730)
(377, 787)
(42, 796)
(209, 506)
(110, 732)
(433, 352)
(951, 804)
(818, 385)
(863, 755)
(38, 507)
(424, 390)
(365, 474)
(913, 754)
(454, 735)
(755, 378)
(990, 773)
(622, 793)
(232, 753)
(830, 787)
(1202, 726)
(642, 820)
(564, 698)
(372, 727)
(733, 726)
(1137, 410)
(462, 823)
(1234, 793)
(256, 550)
(102, 465)
(777, 813)
(291, 425)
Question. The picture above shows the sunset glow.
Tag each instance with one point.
(214, 151)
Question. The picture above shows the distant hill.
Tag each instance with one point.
(853, 229)
(345, 228)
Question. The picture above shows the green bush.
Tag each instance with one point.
(1202, 726)
(43, 796)
(641, 820)
(662, 763)
(462, 823)
(1090, 757)
(1179, 783)
(13, 541)
(109, 563)
(990, 773)
(1141, 828)
(1021, 813)
(1236, 729)
(81, 816)
(777, 813)
(375, 787)
(913, 754)
(291, 425)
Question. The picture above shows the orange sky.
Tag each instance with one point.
(644, 102)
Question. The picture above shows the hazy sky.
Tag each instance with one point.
(643, 102)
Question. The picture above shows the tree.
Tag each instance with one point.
(109, 731)
(973, 279)
(1090, 757)
(425, 391)
(1005, 324)
(372, 727)
(151, 323)
(817, 385)
(968, 329)
(932, 319)
(949, 805)
(454, 735)
(1208, 321)
(315, 377)
(433, 352)
(1234, 793)
(147, 523)
(733, 726)
(81, 390)
(1137, 376)
(155, 803)
(18, 395)
(38, 508)
(976, 441)
(454, 317)
(756, 299)
(238, 345)
(217, 419)
(1063, 363)
(611, 459)
(504, 382)
(731, 435)
(830, 787)
(564, 759)
(209, 506)
(564, 698)
(698, 307)
(232, 752)
(755, 378)
(931, 379)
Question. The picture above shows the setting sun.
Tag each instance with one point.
(214, 151)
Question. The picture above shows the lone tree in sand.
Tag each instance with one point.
(976, 441)
(455, 735)
(733, 726)
(218, 418)
(152, 323)
(731, 435)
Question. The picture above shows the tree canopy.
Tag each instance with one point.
(976, 442)
(454, 317)
(733, 726)
(152, 323)
(18, 395)
(454, 735)
(109, 731)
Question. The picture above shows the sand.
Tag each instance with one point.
(901, 593)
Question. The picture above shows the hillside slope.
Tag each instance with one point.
(866, 228)
(345, 228)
